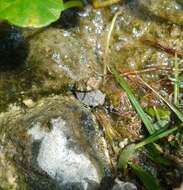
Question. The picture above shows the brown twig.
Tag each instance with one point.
(157, 45)
(147, 70)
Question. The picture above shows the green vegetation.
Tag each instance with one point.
(34, 13)
(147, 178)
(126, 154)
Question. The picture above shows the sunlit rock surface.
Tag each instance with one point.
(56, 144)
(60, 157)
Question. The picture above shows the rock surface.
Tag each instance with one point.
(120, 185)
(57, 144)
(55, 59)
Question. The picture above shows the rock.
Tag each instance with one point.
(124, 186)
(28, 102)
(61, 158)
(179, 188)
(53, 58)
(70, 55)
(62, 54)
(56, 144)
(92, 98)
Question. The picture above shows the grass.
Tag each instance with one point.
(155, 134)
(109, 35)
(147, 122)
(172, 107)
(176, 82)
(128, 152)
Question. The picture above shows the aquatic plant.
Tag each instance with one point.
(126, 154)
(34, 13)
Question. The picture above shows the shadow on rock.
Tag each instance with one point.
(68, 19)
(13, 48)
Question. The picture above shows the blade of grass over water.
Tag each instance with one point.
(156, 136)
(125, 155)
(129, 150)
(173, 108)
(176, 82)
(146, 178)
(135, 103)
(109, 35)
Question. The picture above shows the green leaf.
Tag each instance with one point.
(147, 122)
(125, 155)
(146, 178)
(32, 13)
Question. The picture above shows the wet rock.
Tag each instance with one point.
(73, 55)
(92, 98)
(120, 185)
(55, 145)
(7, 173)
(57, 59)
(164, 11)
(60, 157)
(62, 54)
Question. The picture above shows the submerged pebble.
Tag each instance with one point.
(120, 185)
(92, 98)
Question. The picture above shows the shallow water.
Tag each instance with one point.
(64, 59)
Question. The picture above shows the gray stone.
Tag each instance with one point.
(92, 98)
(124, 186)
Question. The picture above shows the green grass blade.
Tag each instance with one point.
(176, 82)
(135, 103)
(173, 108)
(125, 155)
(146, 178)
(156, 136)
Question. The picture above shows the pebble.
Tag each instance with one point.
(92, 98)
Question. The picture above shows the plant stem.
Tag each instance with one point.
(108, 43)
(176, 82)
